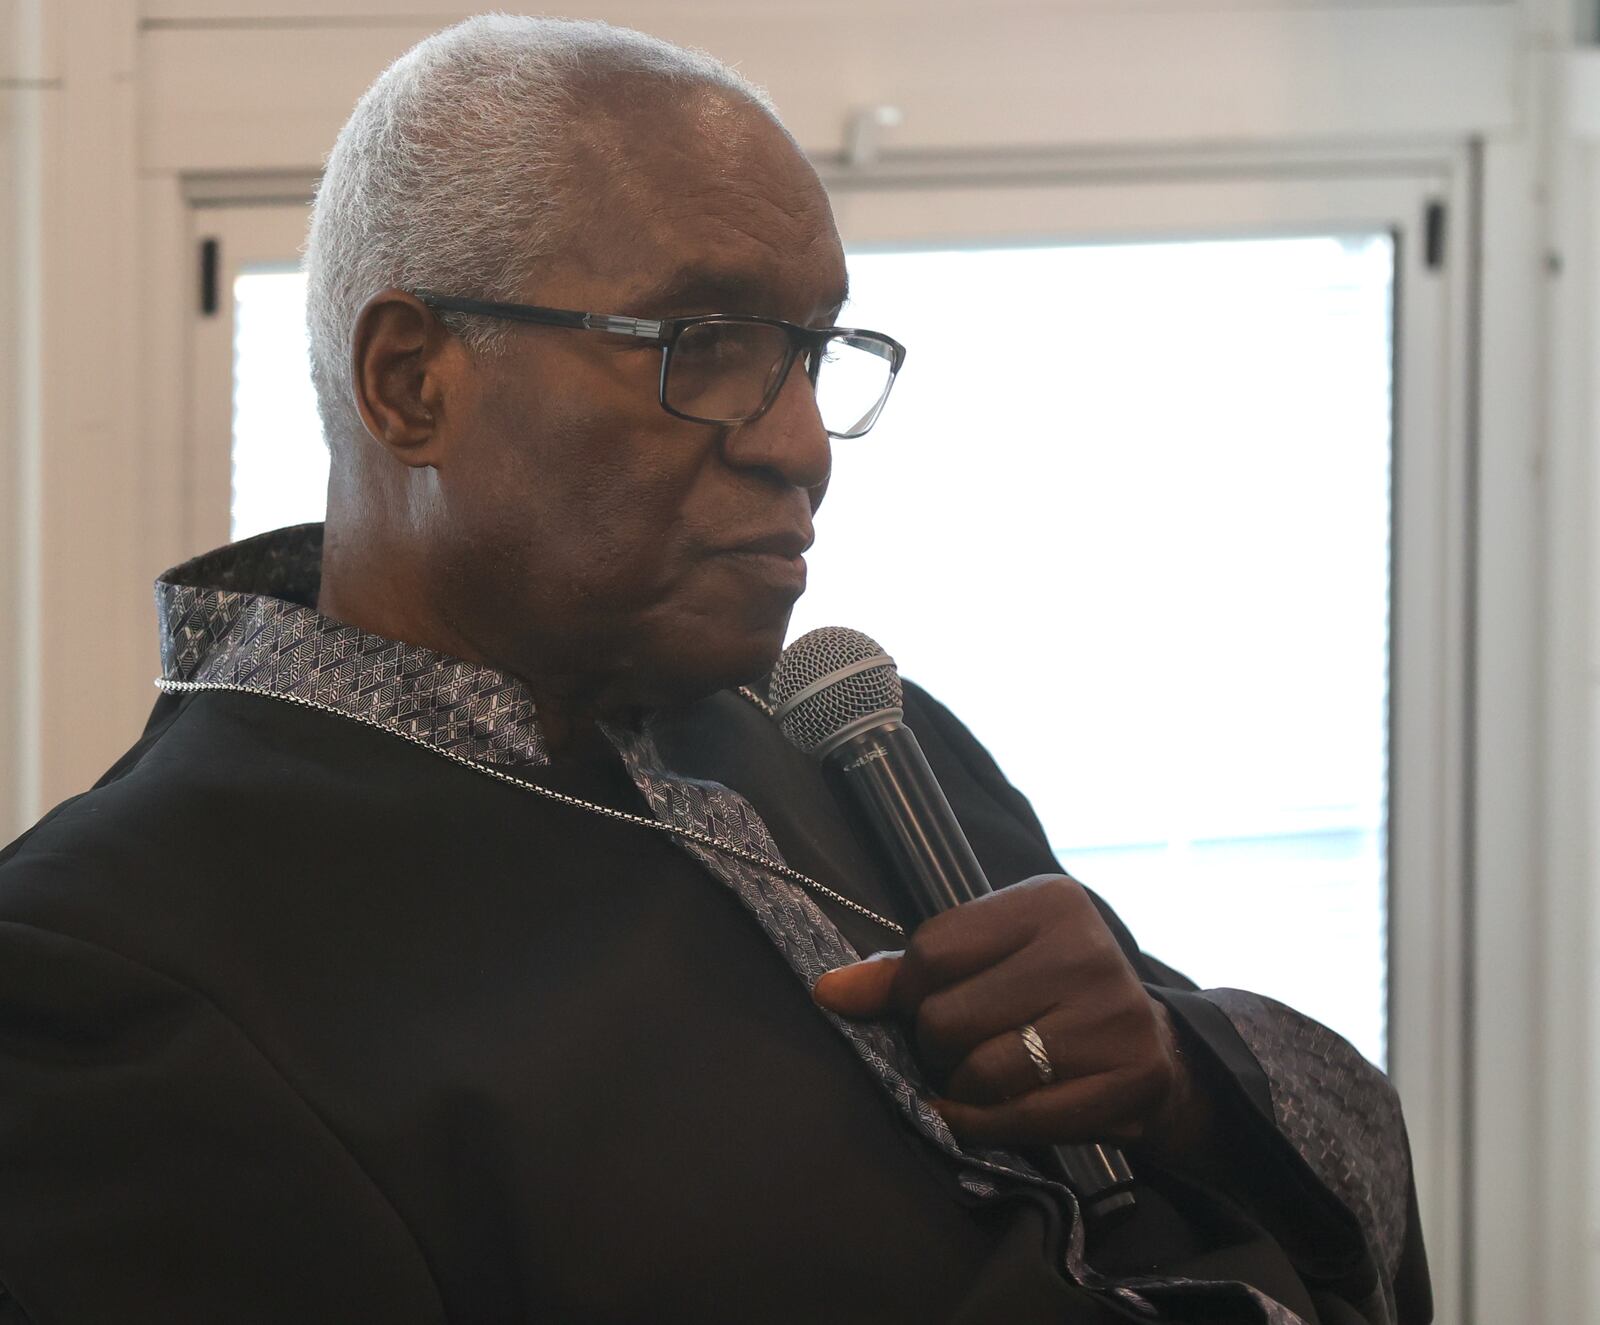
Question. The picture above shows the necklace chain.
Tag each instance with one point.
(605, 811)
(760, 703)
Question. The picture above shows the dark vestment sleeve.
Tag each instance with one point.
(1323, 1159)
(156, 1166)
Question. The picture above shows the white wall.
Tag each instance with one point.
(12, 135)
(1570, 928)
(1072, 77)
(78, 585)
(24, 81)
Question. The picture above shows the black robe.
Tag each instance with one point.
(300, 1022)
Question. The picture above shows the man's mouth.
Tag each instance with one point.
(776, 559)
(787, 543)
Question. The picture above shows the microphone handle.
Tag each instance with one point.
(889, 778)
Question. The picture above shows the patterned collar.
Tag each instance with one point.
(245, 615)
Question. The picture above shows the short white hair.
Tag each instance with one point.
(448, 174)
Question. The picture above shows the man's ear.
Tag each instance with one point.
(403, 363)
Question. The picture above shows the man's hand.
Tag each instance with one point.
(1038, 953)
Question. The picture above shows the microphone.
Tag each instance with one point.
(836, 695)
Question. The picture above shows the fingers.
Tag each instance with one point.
(1078, 1043)
(861, 989)
(951, 1022)
(1001, 1068)
(1107, 1107)
(991, 964)
(1037, 953)
(948, 948)
(1109, 1085)
(979, 934)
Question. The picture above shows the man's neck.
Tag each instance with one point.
(376, 591)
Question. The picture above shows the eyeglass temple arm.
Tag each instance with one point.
(644, 328)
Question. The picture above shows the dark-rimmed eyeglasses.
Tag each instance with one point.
(726, 368)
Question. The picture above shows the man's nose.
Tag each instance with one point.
(789, 438)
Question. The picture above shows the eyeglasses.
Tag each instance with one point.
(728, 368)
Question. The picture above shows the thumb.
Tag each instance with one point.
(860, 989)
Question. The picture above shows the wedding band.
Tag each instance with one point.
(1036, 1051)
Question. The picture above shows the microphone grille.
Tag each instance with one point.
(827, 682)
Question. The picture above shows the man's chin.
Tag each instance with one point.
(719, 660)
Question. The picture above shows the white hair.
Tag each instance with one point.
(449, 174)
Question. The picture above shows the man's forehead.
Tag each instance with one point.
(704, 204)
(694, 285)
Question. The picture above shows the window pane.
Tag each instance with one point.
(1127, 513)
(280, 466)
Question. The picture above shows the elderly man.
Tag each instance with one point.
(463, 942)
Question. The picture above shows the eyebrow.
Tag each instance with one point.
(719, 291)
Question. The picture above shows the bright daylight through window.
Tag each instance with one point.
(1127, 514)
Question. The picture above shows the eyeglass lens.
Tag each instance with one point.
(724, 372)
(852, 383)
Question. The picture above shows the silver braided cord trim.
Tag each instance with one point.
(242, 620)
(726, 835)
(717, 827)
(714, 824)
(575, 802)
(748, 694)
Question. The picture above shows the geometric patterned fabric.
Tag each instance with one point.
(270, 637)
(1326, 1101)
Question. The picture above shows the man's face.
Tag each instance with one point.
(592, 539)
